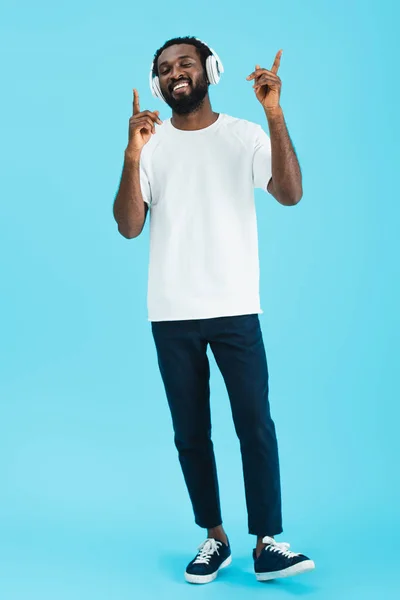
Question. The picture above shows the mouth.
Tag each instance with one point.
(180, 87)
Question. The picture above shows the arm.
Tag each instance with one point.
(286, 182)
(130, 210)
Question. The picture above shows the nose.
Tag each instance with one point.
(175, 73)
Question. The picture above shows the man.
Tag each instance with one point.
(197, 176)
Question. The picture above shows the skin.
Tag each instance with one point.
(172, 68)
(129, 209)
(182, 62)
(286, 182)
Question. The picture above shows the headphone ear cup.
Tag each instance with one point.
(212, 70)
(157, 89)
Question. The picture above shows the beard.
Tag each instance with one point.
(189, 102)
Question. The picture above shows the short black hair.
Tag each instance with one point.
(203, 50)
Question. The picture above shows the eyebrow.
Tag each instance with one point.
(165, 62)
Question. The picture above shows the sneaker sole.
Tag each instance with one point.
(207, 578)
(303, 567)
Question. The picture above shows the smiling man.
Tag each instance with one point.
(196, 173)
(183, 96)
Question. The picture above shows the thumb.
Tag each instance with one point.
(157, 113)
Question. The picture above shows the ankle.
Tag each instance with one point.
(262, 537)
(261, 545)
(219, 534)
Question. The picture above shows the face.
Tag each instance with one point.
(182, 78)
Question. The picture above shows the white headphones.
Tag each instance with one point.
(214, 68)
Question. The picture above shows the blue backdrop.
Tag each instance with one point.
(92, 501)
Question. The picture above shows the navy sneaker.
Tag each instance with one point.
(276, 561)
(212, 556)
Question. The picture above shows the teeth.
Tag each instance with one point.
(181, 85)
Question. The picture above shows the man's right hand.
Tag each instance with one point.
(141, 126)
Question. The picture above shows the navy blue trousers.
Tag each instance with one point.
(238, 348)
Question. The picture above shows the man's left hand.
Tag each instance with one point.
(267, 84)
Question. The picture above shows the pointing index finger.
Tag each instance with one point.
(136, 106)
(277, 62)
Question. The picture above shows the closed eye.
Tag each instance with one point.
(165, 71)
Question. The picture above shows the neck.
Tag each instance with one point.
(201, 118)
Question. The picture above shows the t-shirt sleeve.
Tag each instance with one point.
(145, 182)
(262, 159)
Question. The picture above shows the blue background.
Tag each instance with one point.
(92, 501)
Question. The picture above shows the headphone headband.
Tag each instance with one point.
(214, 68)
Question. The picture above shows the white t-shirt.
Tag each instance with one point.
(199, 186)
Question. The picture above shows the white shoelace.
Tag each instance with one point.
(280, 547)
(206, 550)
